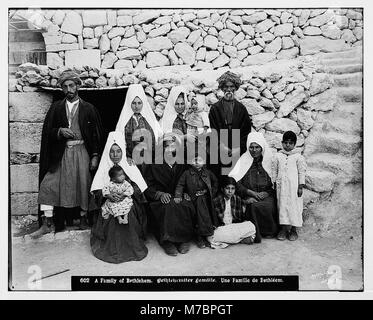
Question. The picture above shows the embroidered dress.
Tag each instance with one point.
(288, 171)
(137, 122)
(119, 208)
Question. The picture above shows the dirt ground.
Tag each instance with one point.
(309, 257)
(331, 236)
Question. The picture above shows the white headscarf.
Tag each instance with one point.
(102, 175)
(136, 90)
(244, 163)
(170, 114)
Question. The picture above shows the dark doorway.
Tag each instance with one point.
(109, 104)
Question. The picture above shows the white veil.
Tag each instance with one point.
(136, 90)
(102, 175)
(170, 114)
(244, 163)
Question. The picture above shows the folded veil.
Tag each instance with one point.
(102, 175)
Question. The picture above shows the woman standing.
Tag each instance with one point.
(111, 241)
(139, 124)
(252, 173)
(173, 119)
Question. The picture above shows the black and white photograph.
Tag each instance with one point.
(184, 148)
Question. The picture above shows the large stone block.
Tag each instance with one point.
(92, 18)
(24, 178)
(260, 58)
(29, 107)
(179, 34)
(324, 101)
(146, 16)
(319, 180)
(315, 44)
(81, 58)
(157, 44)
(185, 52)
(282, 125)
(73, 23)
(25, 137)
(291, 101)
(156, 59)
(24, 204)
(129, 54)
(260, 120)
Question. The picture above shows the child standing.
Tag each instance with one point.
(288, 174)
(118, 193)
(196, 118)
(201, 185)
(230, 210)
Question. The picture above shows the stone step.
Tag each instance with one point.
(341, 69)
(350, 94)
(349, 109)
(342, 61)
(338, 143)
(335, 122)
(348, 79)
(346, 169)
(342, 54)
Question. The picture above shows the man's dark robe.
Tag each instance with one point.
(240, 120)
(53, 147)
(170, 222)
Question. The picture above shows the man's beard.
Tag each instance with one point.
(228, 96)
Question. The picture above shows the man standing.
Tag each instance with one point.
(70, 147)
(229, 114)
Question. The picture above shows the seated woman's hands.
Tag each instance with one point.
(165, 198)
(257, 195)
(250, 201)
(262, 195)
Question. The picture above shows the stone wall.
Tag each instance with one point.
(203, 39)
(297, 94)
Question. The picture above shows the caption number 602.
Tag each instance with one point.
(335, 277)
(34, 281)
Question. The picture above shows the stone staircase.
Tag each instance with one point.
(333, 148)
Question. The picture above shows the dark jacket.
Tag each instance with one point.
(189, 182)
(236, 208)
(161, 178)
(241, 120)
(53, 146)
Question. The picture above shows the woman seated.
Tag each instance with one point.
(138, 123)
(112, 240)
(254, 186)
(172, 223)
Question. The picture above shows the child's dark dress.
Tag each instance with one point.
(201, 186)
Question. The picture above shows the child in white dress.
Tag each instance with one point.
(197, 118)
(288, 174)
(118, 193)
